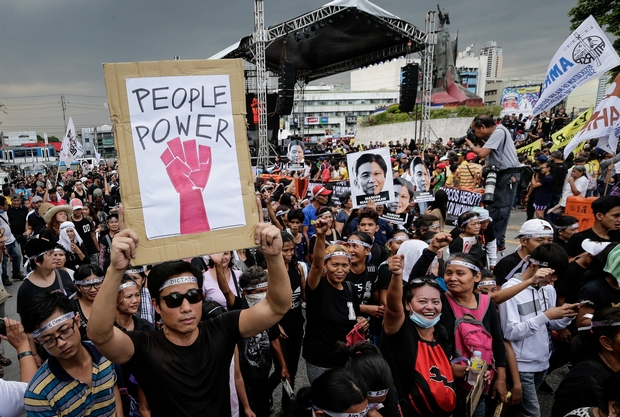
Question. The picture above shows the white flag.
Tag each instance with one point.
(71, 149)
(604, 123)
(97, 156)
(586, 54)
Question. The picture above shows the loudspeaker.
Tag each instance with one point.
(286, 87)
(408, 87)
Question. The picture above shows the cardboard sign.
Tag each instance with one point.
(371, 177)
(473, 398)
(183, 156)
(459, 202)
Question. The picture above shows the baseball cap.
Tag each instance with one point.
(443, 158)
(542, 158)
(592, 247)
(320, 190)
(401, 155)
(483, 214)
(36, 199)
(471, 156)
(441, 166)
(76, 204)
(535, 228)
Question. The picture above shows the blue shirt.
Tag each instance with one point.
(309, 215)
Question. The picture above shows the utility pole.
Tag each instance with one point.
(63, 104)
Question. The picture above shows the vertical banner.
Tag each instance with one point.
(562, 137)
(604, 123)
(586, 54)
(371, 177)
(183, 156)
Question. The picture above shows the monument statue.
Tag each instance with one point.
(445, 53)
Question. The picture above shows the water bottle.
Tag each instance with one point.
(475, 366)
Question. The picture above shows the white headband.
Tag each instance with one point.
(359, 242)
(337, 253)
(53, 323)
(127, 285)
(435, 225)
(89, 281)
(471, 219)
(257, 286)
(465, 264)
(570, 226)
(134, 271)
(488, 282)
(380, 393)
(398, 238)
(539, 263)
(541, 233)
(185, 279)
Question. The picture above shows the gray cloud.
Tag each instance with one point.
(53, 48)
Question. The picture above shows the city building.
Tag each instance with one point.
(495, 59)
(100, 138)
(19, 138)
(602, 88)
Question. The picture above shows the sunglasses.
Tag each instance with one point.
(175, 299)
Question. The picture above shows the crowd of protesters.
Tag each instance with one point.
(391, 318)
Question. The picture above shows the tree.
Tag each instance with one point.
(606, 13)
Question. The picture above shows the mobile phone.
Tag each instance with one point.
(2, 327)
(287, 388)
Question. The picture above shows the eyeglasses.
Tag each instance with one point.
(64, 335)
(175, 299)
(88, 287)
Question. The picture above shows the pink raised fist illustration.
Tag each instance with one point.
(188, 168)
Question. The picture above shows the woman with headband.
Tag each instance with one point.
(332, 308)
(73, 246)
(468, 240)
(363, 275)
(462, 273)
(88, 280)
(146, 312)
(565, 227)
(60, 258)
(332, 234)
(415, 340)
(598, 348)
(127, 305)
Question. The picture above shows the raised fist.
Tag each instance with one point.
(188, 168)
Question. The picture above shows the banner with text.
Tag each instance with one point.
(459, 202)
(586, 54)
(521, 99)
(528, 150)
(561, 138)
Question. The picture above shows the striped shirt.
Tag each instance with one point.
(53, 392)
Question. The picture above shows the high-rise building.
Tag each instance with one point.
(602, 87)
(495, 61)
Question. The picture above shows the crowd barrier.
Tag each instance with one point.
(581, 209)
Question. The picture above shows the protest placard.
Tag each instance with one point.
(183, 156)
(459, 202)
(398, 211)
(370, 177)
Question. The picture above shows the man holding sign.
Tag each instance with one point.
(183, 368)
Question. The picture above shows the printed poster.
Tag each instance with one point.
(371, 177)
(183, 156)
(519, 100)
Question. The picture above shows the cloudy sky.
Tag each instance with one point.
(53, 48)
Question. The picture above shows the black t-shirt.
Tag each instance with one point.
(35, 221)
(27, 291)
(330, 315)
(559, 175)
(187, 380)
(570, 282)
(507, 267)
(84, 227)
(378, 254)
(581, 387)
(255, 354)
(599, 294)
(364, 283)
(476, 249)
(17, 219)
(293, 320)
(329, 240)
(73, 260)
(573, 246)
(49, 234)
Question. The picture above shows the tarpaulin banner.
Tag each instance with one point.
(521, 99)
(460, 201)
(585, 54)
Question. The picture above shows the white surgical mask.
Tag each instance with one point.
(253, 299)
(422, 321)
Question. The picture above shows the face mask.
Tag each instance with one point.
(422, 321)
(253, 299)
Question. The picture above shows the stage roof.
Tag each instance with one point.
(340, 36)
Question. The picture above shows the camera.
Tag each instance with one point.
(458, 142)
(489, 184)
(536, 169)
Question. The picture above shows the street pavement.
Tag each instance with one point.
(11, 373)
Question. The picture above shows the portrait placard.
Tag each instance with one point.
(184, 162)
(371, 177)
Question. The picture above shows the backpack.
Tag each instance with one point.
(470, 335)
(326, 173)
